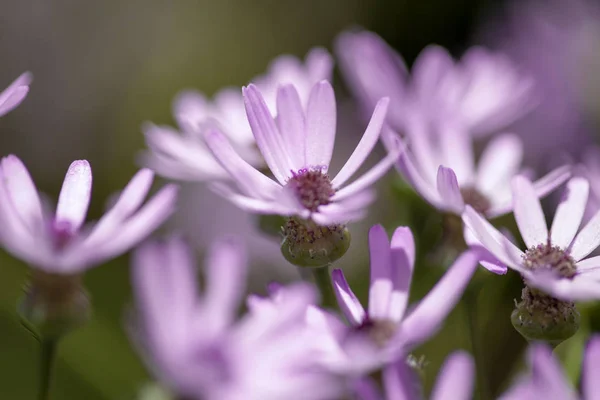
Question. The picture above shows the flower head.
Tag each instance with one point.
(455, 380)
(555, 260)
(483, 91)
(297, 146)
(441, 167)
(13, 95)
(184, 156)
(547, 379)
(194, 344)
(59, 242)
(385, 331)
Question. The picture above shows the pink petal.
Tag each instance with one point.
(268, 138)
(290, 117)
(551, 180)
(547, 374)
(591, 369)
(580, 288)
(75, 194)
(588, 264)
(430, 69)
(14, 94)
(588, 239)
(569, 213)
(22, 192)
(366, 144)
(399, 382)
(319, 64)
(528, 212)
(499, 162)
(402, 265)
(407, 168)
(426, 318)
(458, 152)
(447, 186)
(381, 285)
(456, 377)
(259, 206)
(320, 126)
(349, 304)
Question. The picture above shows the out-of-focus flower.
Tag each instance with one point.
(58, 242)
(183, 155)
(441, 168)
(590, 169)
(455, 381)
(555, 261)
(483, 91)
(13, 95)
(193, 344)
(548, 381)
(385, 332)
(297, 146)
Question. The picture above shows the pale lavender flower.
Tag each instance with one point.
(58, 242)
(483, 91)
(555, 260)
(547, 379)
(400, 381)
(297, 147)
(385, 331)
(184, 156)
(193, 343)
(441, 167)
(13, 95)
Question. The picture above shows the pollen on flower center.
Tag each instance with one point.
(475, 199)
(550, 257)
(312, 187)
(379, 330)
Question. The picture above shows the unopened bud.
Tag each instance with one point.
(539, 317)
(54, 304)
(307, 244)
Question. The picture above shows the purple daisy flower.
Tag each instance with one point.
(483, 91)
(13, 95)
(58, 242)
(193, 343)
(548, 381)
(184, 156)
(455, 380)
(555, 260)
(297, 146)
(386, 331)
(441, 167)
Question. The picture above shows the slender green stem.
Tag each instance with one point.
(48, 352)
(483, 388)
(322, 277)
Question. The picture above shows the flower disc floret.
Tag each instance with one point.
(312, 187)
(550, 257)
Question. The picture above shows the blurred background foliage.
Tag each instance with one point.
(102, 68)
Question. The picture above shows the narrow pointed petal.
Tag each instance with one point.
(499, 162)
(447, 186)
(500, 247)
(22, 192)
(552, 180)
(455, 378)
(14, 94)
(588, 264)
(348, 302)
(430, 69)
(320, 126)
(427, 317)
(380, 289)
(528, 212)
(547, 374)
(399, 381)
(259, 206)
(458, 153)
(402, 265)
(74, 198)
(366, 389)
(268, 138)
(290, 117)
(590, 382)
(226, 269)
(588, 239)
(569, 213)
(581, 288)
(251, 181)
(407, 168)
(366, 144)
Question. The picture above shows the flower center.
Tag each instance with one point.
(552, 258)
(475, 199)
(312, 187)
(61, 232)
(379, 330)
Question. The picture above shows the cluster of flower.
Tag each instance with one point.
(267, 149)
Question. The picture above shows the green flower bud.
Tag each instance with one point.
(54, 304)
(539, 317)
(307, 244)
